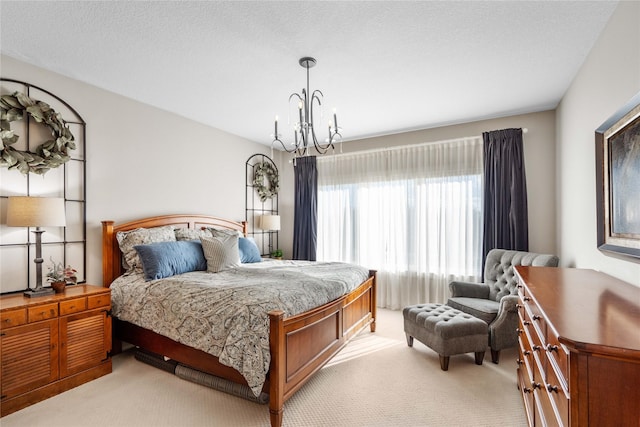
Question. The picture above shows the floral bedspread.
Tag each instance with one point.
(225, 313)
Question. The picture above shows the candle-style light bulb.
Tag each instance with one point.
(300, 111)
(335, 120)
(275, 133)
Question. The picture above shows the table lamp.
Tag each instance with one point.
(270, 223)
(36, 212)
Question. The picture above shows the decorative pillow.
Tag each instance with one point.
(141, 236)
(191, 233)
(221, 232)
(249, 251)
(165, 259)
(221, 252)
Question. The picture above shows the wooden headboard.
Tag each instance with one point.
(112, 257)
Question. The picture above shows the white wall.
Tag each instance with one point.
(607, 80)
(143, 161)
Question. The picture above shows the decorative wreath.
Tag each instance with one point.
(266, 170)
(48, 155)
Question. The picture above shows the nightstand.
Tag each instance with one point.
(53, 343)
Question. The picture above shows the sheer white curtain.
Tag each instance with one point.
(413, 213)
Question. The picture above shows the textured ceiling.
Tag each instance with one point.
(386, 66)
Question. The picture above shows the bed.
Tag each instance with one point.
(298, 345)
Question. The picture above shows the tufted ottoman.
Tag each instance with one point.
(445, 330)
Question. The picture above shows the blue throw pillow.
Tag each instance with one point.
(165, 259)
(249, 251)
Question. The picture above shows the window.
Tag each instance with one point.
(415, 219)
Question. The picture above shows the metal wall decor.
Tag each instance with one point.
(304, 130)
(257, 206)
(66, 245)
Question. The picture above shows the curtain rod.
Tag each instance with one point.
(377, 150)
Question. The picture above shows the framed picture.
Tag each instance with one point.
(618, 181)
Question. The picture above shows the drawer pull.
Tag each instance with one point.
(536, 348)
(519, 362)
(519, 331)
(552, 348)
(536, 385)
(518, 306)
(552, 388)
(535, 317)
(526, 323)
(526, 353)
(527, 390)
(526, 299)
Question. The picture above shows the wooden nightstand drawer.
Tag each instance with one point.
(43, 312)
(12, 318)
(96, 301)
(73, 306)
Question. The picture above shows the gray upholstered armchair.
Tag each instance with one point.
(494, 301)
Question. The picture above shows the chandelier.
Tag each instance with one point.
(304, 131)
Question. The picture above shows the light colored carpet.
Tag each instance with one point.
(375, 381)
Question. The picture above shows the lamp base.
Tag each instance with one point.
(39, 292)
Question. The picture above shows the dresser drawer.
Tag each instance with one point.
(557, 395)
(12, 318)
(524, 384)
(533, 334)
(75, 305)
(526, 356)
(534, 315)
(42, 312)
(95, 301)
(558, 356)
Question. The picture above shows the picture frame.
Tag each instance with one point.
(618, 181)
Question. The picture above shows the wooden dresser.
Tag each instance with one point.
(51, 344)
(579, 360)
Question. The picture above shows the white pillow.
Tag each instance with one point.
(221, 252)
(141, 236)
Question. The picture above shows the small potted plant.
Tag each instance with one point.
(58, 276)
(277, 254)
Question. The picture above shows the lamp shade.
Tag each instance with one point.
(270, 222)
(35, 212)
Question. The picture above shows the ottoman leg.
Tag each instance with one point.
(479, 357)
(409, 340)
(444, 362)
(495, 356)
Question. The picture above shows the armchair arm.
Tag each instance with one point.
(508, 305)
(469, 289)
(502, 331)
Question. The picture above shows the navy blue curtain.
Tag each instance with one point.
(506, 223)
(305, 221)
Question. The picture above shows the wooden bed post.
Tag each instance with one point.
(278, 369)
(374, 299)
(107, 253)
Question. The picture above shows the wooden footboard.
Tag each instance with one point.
(300, 345)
